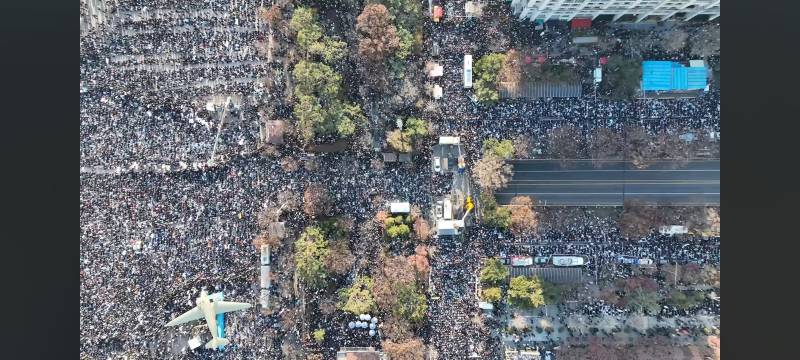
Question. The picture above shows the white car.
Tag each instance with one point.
(437, 164)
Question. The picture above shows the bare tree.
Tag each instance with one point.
(421, 229)
(289, 164)
(522, 147)
(605, 144)
(317, 201)
(492, 173)
(524, 221)
(564, 142)
(674, 40)
(340, 259)
(413, 349)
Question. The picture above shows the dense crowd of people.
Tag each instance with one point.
(150, 241)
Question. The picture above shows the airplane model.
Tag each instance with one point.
(206, 308)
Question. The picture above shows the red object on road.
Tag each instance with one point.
(437, 13)
(541, 59)
(581, 23)
(603, 60)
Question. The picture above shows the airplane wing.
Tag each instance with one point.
(228, 306)
(190, 315)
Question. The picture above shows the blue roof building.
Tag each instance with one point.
(672, 76)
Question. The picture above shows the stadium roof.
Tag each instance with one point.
(672, 76)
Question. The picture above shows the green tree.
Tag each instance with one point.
(415, 128)
(316, 79)
(493, 272)
(492, 294)
(500, 148)
(526, 291)
(357, 299)
(411, 304)
(319, 336)
(494, 216)
(310, 37)
(405, 13)
(685, 300)
(397, 227)
(487, 72)
(498, 218)
(310, 252)
(407, 43)
(622, 77)
(643, 300)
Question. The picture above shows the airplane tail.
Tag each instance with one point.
(216, 342)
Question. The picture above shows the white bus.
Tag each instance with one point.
(569, 260)
(467, 71)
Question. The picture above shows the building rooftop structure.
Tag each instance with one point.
(673, 76)
(540, 90)
(556, 275)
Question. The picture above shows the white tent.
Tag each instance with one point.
(398, 208)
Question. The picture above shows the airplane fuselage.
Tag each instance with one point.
(209, 312)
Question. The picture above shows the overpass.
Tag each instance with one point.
(581, 183)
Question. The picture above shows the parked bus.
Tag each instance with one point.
(467, 71)
(569, 260)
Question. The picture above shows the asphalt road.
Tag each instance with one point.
(580, 183)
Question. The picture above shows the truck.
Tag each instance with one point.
(569, 260)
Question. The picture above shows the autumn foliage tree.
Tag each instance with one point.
(317, 201)
(413, 349)
(492, 173)
(377, 36)
(524, 221)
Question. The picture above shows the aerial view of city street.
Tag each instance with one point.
(400, 179)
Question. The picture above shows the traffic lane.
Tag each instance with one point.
(614, 175)
(615, 188)
(598, 199)
(548, 164)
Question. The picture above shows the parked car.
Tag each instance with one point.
(439, 209)
(541, 260)
(437, 164)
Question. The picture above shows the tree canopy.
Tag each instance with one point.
(487, 73)
(493, 215)
(377, 36)
(524, 221)
(492, 173)
(319, 110)
(358, 299)
(493, 272)
(622, 77)
(492, 294)
(311, 39)
(310, 252)
(499, 148)
(411, 304)
(526, 291)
